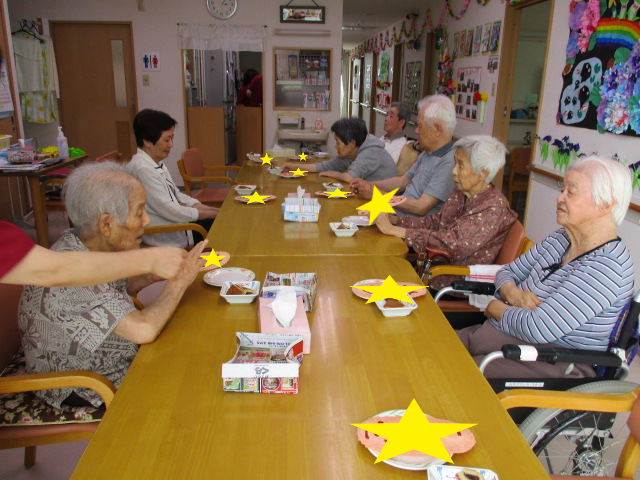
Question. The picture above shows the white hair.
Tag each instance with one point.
(96, 188)
(438, 109)
(610, 181)
(485, 153)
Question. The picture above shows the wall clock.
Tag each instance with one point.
(222, 9)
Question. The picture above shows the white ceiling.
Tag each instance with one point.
(378, 14)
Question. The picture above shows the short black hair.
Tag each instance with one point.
(347, 129)
(404, 112)
(248, 76)
(149, 125)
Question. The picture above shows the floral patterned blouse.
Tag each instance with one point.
(71, 328)
(474, 229)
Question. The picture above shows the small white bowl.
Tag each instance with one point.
(253, 156)
(331, 186)
(237, 299)
(344, 232)
(320, 154)
(275, 170)
(396, 312)
(245, 189)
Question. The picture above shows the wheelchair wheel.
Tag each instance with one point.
(574, 442)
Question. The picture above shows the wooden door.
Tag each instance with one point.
(97, 85)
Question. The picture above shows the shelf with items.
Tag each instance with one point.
(303, 78)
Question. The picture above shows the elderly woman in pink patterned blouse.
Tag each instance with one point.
(474, 221)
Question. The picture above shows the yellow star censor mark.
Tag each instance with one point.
(337, 194)
(255, 198)
(266, 160)
(379, 203)
(303, 157)
(212, 258)
(388, 289)
(414, 432)
(299, 172)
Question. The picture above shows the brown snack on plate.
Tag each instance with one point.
(469, 474)
(236, 289)
(393, 303)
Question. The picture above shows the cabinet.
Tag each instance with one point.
(303, 79)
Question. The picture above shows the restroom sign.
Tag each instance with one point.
(151, 62)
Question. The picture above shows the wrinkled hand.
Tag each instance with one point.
(166, 262)
(192, 264)
(519, 298)
(331, 174)
(362, 188)
(289, 167)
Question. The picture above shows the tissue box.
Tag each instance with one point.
(282, 152)
(264, 363)
(449, 472)
(299, 325)
(295, 210)
(305, 283)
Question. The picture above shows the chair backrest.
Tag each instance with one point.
(407, 158)
(519, 160)
(9, 332)
(512, 244)
(114, 156)
(193, 163)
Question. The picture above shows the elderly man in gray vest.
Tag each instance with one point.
(97, 327)
(429, 182)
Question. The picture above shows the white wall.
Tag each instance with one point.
(156, 30)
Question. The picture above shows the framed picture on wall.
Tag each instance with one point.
(494, 43)
(477, 40)
(469, 45)
(486, 36)
(456, 45)
(413, 76)
(463, 44)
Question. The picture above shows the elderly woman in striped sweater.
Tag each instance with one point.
(569, 289)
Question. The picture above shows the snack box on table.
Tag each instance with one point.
(450, 472)
(304, 282)
(299, 324)
(301, 210)
(264, 363)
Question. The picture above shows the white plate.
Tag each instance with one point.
(230, 274)
(399, 464)
(359, 221)
(374, 282)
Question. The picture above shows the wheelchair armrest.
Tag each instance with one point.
(558, 354)
(433, 252)
(468, 286)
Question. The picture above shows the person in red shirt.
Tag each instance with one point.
(22, 262)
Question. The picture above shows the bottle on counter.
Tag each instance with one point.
(319, 124)
(63, 146)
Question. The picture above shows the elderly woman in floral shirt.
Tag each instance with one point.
(474, 221)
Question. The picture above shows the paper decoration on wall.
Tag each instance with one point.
(492, 63)
(494, 39)
(477, 40)
(486, 36)
(446, 85)
(562, 151)
(468, 80)
(367, 84)
(601, 79)
(6, 100)
(412, 76)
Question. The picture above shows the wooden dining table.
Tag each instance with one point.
(171, 419)
(260, 229)
(37, 197)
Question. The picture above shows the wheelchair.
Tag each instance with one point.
(570, 442)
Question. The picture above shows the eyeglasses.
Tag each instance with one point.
(551, 269)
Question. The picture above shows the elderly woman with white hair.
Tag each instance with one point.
(474, 221)
(569, 289)
(97, 327)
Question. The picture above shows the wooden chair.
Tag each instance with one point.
(408, 156)
(519, 160)
(31, 435)
(53, 199)
(192, 169)
(176, 227)
(627, 402)
(113, 156)
(515, 244)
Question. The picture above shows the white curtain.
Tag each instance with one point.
(246, 38)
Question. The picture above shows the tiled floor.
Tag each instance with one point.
(57, 462)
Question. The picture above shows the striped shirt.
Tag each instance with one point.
(581, 301)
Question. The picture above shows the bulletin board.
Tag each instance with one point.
(468, 80)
